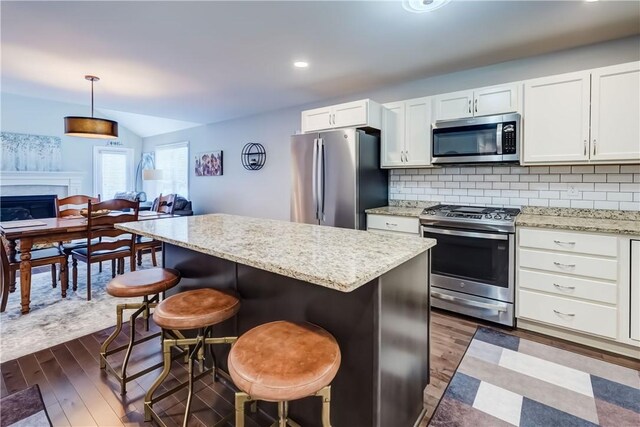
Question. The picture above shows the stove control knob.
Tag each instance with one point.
(488, 216)
(431, 212)
(507, 217)
(497, 216)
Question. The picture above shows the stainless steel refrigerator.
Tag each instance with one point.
(336, 175)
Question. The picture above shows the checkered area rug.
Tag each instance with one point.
(504, 380)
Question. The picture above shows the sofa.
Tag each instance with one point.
(182, 208)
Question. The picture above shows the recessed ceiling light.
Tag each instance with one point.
(301, 64)
(421, 6)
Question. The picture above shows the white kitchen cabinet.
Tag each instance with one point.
(393, 224)
(362, 113)
(585, 117)
(455, 105)
(393, 135)
(478, 102)
(635, 291)
(406, 134)
(556, 119)
(615, 109)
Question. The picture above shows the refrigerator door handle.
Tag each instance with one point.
(321, 180)
(314, 177)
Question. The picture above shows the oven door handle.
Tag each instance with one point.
(469, 303)
(489, 236)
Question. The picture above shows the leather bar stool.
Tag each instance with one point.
(198, 309)
(148, 284)
(284, 361)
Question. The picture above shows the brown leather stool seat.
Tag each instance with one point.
(283, 361)
(195, 309)
(141, 283)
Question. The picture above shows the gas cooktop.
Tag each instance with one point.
(471, 217)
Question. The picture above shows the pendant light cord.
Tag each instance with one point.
(91, 98)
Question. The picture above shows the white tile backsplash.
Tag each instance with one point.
(597, 187)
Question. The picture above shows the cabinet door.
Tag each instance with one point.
(350, 114)
(556, 119)
(393, 135)
(454, 105)
(495, 100)
(417, 132)
(317, 119)
(615, 109)
(635, 290)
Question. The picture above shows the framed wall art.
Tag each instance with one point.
(208, 163)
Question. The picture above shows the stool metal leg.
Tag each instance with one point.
(241, 399)
(325, 394)
(283, 408)
(114, 334)
(166, 352)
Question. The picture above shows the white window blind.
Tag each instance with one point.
(112, 168)
(173, 161)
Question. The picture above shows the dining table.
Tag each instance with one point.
(43, 231)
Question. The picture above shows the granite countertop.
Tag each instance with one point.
(411, 210)
(332, 257)
(594, 220)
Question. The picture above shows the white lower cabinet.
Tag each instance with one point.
(393, 224)
(577, 286)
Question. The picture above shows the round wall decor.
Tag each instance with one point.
(253, 156)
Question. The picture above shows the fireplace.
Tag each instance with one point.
(14, 208)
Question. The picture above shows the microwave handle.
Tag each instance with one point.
(499, 138)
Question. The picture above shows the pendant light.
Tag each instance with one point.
(90, 127)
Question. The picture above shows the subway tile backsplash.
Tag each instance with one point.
(591, 187)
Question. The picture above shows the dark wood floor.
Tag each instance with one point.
(77, 393)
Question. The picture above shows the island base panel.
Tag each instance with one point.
(382, 329)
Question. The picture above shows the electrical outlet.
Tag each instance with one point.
(573, 192)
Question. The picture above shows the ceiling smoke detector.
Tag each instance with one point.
(421, 6)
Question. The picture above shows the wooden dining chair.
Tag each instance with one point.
(39, 257)
(68, 207)
(104, 241)
(164, 204)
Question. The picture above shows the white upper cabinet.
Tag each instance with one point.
(495, 100)
(392, 142)
(406, 134)
(556, 118)
(455, 105)
(478, 102)
(615, 112)
(363, 113)
(589, 116)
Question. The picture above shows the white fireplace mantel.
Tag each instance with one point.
(71, 180)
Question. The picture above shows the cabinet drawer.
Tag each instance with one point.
(567, 313)
(568, 286)
(578, 265)
(394, 223)
(591, 244)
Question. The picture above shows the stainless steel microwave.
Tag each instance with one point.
(491, 139)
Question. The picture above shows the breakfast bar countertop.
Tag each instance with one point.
(336, 258)
(589, 220)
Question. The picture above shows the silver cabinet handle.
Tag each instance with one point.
(560, 242)
(329, 118)
(558, 264)
(469, 106)
(391, 224)
(559, 313)
(564, 287)
(406, 156)
(594, 146)
(476, 105)
(585, 147)
(402, 156)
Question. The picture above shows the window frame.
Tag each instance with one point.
(97, 179)
(180, 144)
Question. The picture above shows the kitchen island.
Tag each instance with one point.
(369, 290)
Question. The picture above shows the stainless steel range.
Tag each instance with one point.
(473, 265)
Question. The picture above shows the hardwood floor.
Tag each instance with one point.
(77, 393)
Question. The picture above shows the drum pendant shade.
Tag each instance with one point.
(90, 127)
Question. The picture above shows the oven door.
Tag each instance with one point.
(473, 262)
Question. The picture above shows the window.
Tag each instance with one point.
(112, 171)
(173, 161)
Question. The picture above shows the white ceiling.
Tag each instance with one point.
(209, 61)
